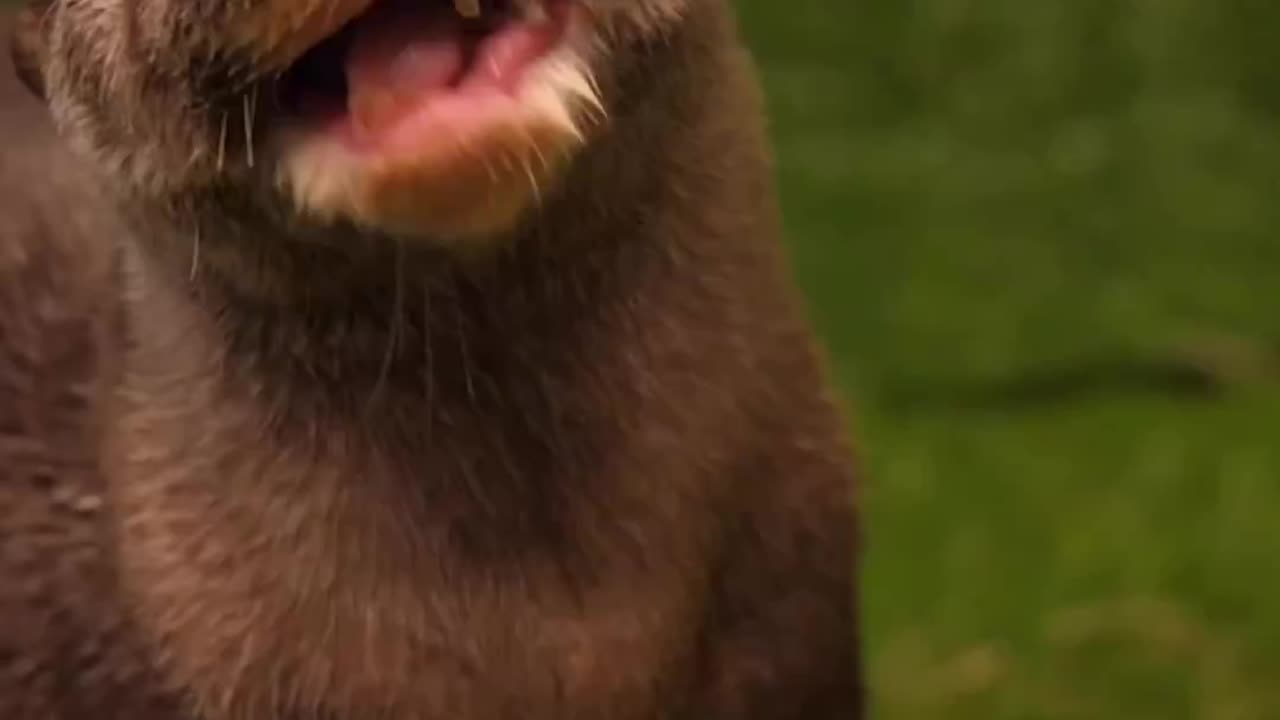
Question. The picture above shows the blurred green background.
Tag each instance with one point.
(1040, 238)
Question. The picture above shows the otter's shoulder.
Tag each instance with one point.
(58, 609)
(55, 280)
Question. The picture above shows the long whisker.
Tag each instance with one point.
(397, 326)
(222, 143)
(195, 254)
(250, 111)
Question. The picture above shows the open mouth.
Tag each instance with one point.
(409, 67)
(437, 118)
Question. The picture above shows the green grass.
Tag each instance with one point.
(1009, 217)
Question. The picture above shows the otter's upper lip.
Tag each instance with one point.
(277, 33)
(404, 55)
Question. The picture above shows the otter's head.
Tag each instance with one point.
(439, 119)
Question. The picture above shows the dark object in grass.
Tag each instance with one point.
(1201, 370)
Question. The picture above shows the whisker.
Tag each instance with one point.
(463, 349)
(533, 180)
(397, 323)
(428, 360)
(195, 254)
(249, 104)
(222, 143)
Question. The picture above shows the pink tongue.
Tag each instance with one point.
(400, 54)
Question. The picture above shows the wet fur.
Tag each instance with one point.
(276, 474)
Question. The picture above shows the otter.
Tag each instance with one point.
(409, 359)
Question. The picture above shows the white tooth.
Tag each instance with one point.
(467, 8)
(532, 10)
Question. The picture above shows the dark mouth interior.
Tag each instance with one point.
(316, 85)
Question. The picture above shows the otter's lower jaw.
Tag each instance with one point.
(435, 126)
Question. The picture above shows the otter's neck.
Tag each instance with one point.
(335, 510)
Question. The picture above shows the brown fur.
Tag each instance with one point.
(596, 475)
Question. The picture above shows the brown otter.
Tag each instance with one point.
(390, 359)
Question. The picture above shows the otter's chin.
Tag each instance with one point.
(416, 121)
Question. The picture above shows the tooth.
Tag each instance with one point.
(467, 8)
(532, 10)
